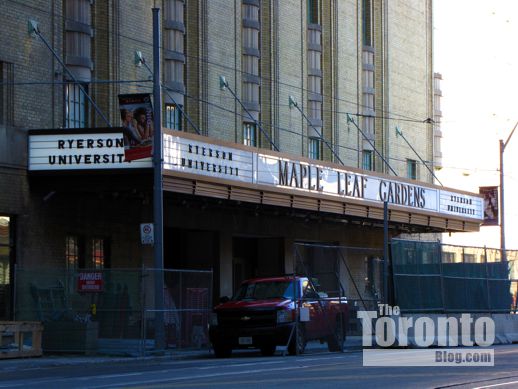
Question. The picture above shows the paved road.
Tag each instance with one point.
(316, 370)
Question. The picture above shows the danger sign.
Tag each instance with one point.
(90, 281)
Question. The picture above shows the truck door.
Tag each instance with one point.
(311, 301)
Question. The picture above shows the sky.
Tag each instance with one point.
(476, 51)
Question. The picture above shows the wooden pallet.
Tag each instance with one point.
(12, 336)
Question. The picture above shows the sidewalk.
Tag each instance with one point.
(353, 344)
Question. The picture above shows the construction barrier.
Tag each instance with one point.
(20, 339)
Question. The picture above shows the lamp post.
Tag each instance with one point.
(502, 213)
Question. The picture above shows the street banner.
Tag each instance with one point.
(137, 125)
(490, 194)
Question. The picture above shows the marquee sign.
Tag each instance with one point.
(197, 157)
(79, 151)
(72, 150)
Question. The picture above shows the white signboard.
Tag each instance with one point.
(337, 182)
(190, 156)
(80, 152)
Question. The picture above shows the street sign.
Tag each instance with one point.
(147, 235)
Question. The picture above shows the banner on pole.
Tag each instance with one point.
(137, 125)
(490, 194)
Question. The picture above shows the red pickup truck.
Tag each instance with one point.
(262, 315)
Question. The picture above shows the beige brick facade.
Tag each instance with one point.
(403, 70)
(213, 48)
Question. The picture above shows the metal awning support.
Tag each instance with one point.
(139, 59)
(224, 85)
(351, 120)
(35, 31)
(400, 133)
(293, 103)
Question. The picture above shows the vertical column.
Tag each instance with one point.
(251, 79)
(315, 98)
(225, 264)
(78, 59)
(368, 86)
(174, 61)
(289, 255)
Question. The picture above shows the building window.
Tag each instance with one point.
(250, 12)
(250, 134)
(314, 11)
(6, 263)
(469, 258)
(5, 242)
(173, 117)
(315, 110)
(314, 146)
(367, 160)
(411, 169)
(250, 92)
(72, 252)
(75, 106)
(367, 23)
(98, 253)
(251, 65)
(6, 93)
(448, 257)
(251, 38)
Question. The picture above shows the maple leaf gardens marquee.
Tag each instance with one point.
(203, 166)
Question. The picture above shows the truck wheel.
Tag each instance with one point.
(268, 350)
(222, 351)
(335, 341)
(298, 342)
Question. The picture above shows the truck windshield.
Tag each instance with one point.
(265, 290)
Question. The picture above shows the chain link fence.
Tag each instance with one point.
(435, 277)
(111, 311)
(352, 272)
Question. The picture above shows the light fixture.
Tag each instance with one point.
(32, 27)
(292, 102)
(139, 59)
(222, 83)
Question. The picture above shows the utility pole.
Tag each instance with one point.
(158, 212)
(502, 213)
(385, 253)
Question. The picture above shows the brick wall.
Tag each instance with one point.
(213, 48)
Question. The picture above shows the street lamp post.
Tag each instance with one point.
(502, 213)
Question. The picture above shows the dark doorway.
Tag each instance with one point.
(256, 257)
(190, 249)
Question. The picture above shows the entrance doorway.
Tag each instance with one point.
(190, 249)
(256, 257)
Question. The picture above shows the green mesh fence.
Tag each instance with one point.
(432, 277)
(111, 311)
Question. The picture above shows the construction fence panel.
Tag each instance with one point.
(110, 311)
(434, 277)
(187, 308)
(416, 269)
